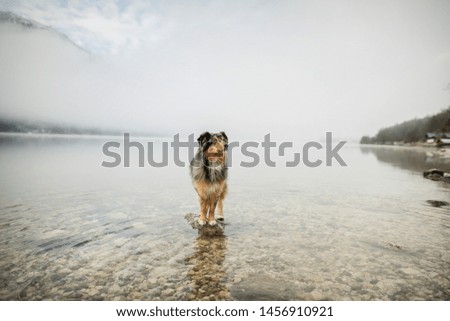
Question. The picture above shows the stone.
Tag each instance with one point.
(433, 171)
(205, 230)
(168, 292)
(410, 271)
(434, 177)
(437, 175)
(392, 245)
(435, 203)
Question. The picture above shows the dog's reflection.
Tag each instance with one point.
(207, 279)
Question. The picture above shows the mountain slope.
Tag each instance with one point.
(18, 21)
(40, 72)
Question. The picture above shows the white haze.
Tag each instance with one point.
(293, 68)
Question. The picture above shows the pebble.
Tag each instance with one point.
(410, 271)
(168, 292)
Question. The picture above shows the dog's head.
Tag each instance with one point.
(214, 146)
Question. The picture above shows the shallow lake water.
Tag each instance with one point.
(71, 229)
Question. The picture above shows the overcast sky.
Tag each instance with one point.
(293, 68)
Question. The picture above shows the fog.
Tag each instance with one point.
(296, 69)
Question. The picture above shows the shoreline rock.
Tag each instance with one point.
(437, 175)
(435, 203)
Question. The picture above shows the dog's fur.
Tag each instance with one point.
(209, 174)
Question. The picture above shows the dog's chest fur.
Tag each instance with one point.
(210, 175)
(201, 172)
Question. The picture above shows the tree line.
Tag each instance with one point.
(413, 130)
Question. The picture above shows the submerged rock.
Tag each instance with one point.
(435, 203)
(206, 230)
(392, 245)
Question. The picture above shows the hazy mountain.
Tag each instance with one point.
(49, 84)
(9, 17)
(15, 20)
(43, 81)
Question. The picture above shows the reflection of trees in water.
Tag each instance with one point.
(415, 159)
(205, 269)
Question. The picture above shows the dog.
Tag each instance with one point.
(209, 172)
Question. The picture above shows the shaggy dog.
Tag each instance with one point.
(209, 174)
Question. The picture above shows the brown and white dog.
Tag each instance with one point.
(209, 174)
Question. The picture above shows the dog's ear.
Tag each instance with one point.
(203, 138)
(224, 135)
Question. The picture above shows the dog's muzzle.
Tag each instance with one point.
(214, 157)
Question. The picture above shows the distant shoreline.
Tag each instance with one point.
(432, 129)
(85, 136)
(42, 128)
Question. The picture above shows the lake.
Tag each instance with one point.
(74, 230)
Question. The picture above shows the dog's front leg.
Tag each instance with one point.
(212, 208)
(221, 196)
(203, 209)
(220, 209)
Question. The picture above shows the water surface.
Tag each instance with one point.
(71, 229)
